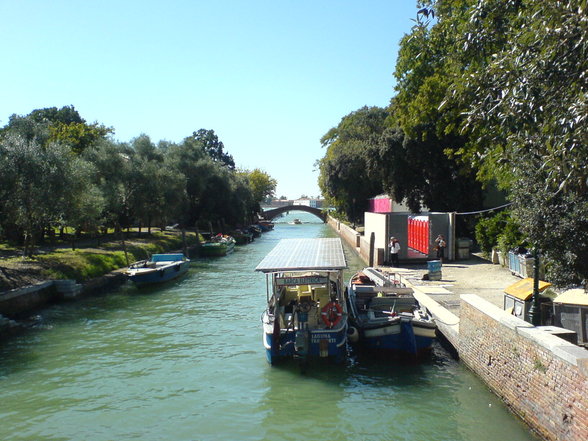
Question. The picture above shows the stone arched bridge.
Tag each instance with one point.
(270, 214)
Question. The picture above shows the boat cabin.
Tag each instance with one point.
(304, 275)
(306, 313)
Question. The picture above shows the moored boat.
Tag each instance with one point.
(159, 268)
(219, 245)
(255, 230)
(306, 315)
(265, 225)
(385, 317)
(242, 237)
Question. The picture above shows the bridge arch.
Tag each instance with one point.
(270, 214)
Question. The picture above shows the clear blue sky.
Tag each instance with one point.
(269, 77)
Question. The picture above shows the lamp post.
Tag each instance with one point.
(535, 309)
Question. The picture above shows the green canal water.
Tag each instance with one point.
(186, 362)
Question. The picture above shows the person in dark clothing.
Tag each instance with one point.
(440, 246)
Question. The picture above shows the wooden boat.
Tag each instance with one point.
(219, 245)
(159, 268)
(306, 315)
(385, 317)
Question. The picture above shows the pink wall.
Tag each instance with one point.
(381, 205)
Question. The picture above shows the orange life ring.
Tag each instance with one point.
(332, 314)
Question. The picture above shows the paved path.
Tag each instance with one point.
(472, 276)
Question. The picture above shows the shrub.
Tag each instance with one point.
(500, 230)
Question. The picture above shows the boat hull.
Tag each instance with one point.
(395, 340)
(216, 249)
(385, 318)
(307, 344)
(159, 275)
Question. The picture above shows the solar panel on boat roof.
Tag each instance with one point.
(303, 254)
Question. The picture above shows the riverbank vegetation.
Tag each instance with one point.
(58, 171)
(93, 257)
(488, 92)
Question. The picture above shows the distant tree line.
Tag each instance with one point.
(58, 171)
(488, 92)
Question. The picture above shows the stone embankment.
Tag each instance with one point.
(21, 301)
(541, 377)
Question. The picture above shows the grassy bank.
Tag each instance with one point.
(92, 258)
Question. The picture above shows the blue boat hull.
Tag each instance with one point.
(403, 343)
(161, 275)
(330, 344)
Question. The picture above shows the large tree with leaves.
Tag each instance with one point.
(421, 174)
(344, 175)
(44, 186)
(515, 76)
(64, 125)
(213, 147)
(261, 184)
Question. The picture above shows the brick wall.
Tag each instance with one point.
(542, 378)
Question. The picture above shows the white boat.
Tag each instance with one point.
(159, 268)
(306, 315)
(385, 317)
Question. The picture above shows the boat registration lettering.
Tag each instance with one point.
(315, 280)
(317, 340)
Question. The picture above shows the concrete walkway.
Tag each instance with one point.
(473, 276)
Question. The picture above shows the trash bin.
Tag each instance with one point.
(464, 248)
(434, 267)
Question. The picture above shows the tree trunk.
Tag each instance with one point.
(184, 244)
(122, 240)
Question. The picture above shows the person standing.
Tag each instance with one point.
(440, 247)
(394, 247)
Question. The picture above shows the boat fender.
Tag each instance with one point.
(353, 334)
(332, 313)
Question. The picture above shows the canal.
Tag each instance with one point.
(185, 362)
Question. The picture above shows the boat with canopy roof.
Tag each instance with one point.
(306, 315)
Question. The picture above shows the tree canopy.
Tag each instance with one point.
(56, 170)
(487, 90)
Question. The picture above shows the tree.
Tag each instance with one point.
(522, 91)
(419, 172)
(189, 159)
(345, 180)
(344, 177)
(114, 178)
(261, 184)
(213, 147)
(51, 124)
(43, 186)
(79, 136)
(159, 191)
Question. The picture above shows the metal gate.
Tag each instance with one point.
(418, 233)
